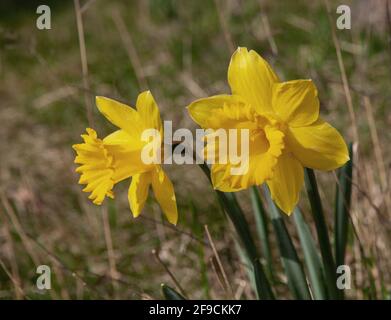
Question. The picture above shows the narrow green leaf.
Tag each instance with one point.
(235, 213)
(255, 275)
(230, 205)
(261, 282)
(311, 257)
(170, 294)
(262, 228)
(297, 281)
(322, 232)
(342, 207)
(247, 265)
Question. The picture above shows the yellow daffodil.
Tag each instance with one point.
(103, 163)
(286, 132)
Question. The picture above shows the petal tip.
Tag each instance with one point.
(98, 98)
(134, 213)
(173, 221)
(288, 213)
(239, 49)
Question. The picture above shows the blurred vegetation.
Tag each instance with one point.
(183, 49)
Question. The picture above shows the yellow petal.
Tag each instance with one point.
(296, 102)
(121, 116)
(318, 146)
(252, 78)
(126, 163)
(124, 139)
(220, 111)
(164, 194)
(286, 183)
(138, 192)
(149, 111)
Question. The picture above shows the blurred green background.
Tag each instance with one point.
(180, 50)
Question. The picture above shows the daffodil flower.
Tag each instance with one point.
(103, 163)
(286, 132)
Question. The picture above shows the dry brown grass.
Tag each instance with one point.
(180, 52)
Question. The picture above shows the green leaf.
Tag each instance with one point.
(230, 205)
(257, 278)
(262, 228)
(248, 267)
(297, 281)
(342, 207)
(261, 282)
(311, 257)
(170, 294)
(322, 232)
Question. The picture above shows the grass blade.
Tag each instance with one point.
(322, 232)
(198, 231)
(170, 294)
(262, 228)
(342, 207)
(297, 281)
(231, 206)
(311, 257)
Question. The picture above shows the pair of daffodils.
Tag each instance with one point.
(285, 130)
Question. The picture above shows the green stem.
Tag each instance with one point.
(231, 206)
(311, 256)
(342, 207)
(297, 281)
(322, 232)
(262, 228)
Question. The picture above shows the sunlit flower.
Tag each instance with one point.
(286, 132)
(103, 163)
